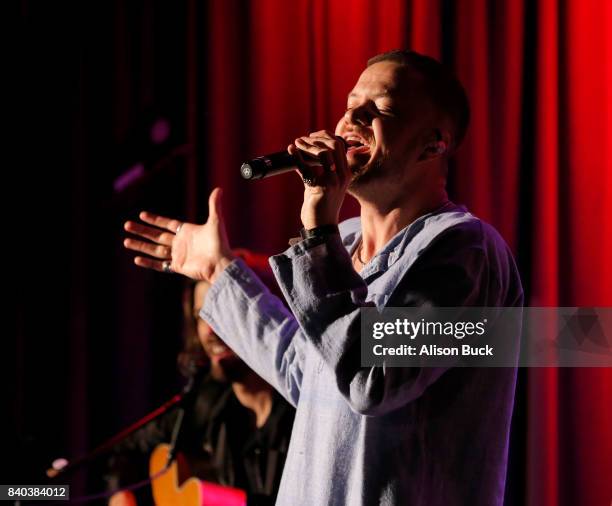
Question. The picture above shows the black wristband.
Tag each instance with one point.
(321, 231)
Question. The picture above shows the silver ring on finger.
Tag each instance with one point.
(166, 267)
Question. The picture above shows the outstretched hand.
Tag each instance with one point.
(197, 251)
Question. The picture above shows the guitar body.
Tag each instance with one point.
(169, 491)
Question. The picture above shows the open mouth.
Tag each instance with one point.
(219, 351)
(356, 145)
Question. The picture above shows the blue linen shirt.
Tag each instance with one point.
(369, 436)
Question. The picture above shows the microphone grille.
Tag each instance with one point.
(246, 171)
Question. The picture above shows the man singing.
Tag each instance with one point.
(367, 435)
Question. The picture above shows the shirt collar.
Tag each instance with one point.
(350, 231)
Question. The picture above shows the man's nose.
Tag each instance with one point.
(358, 115)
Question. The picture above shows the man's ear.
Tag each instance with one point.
(438, 145)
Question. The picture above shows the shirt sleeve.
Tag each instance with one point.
(325, 294)
(258, 327)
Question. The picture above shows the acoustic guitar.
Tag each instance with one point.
(168, 490)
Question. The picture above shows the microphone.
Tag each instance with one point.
(273, 164)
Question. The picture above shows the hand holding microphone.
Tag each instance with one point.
(321, 159)
(281, 162)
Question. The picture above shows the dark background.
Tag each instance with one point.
(92, 340)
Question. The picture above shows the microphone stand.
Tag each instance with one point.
(187, 401)
(183, 400)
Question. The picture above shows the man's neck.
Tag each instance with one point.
(254, 394)
(379, 223)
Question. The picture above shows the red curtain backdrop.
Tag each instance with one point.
(536, 162)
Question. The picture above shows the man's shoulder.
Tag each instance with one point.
(467, 230)
(453, 225)
(481, 249)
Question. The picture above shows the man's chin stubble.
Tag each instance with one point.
(363, 176)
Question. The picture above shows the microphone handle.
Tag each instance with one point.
(268, 165)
